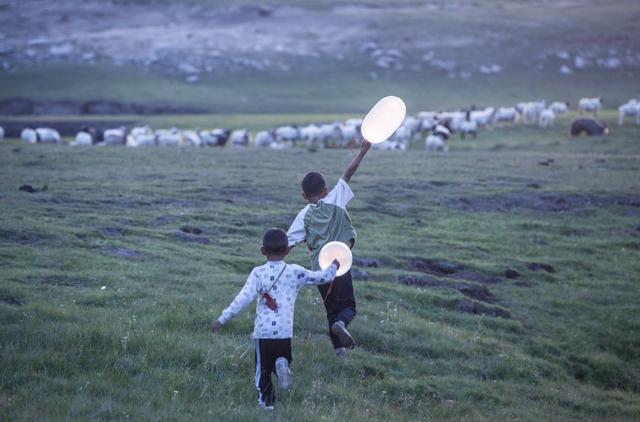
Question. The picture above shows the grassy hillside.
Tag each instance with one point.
(308, 70)
(105, 300)
(312, 90)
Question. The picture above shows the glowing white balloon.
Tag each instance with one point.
(383, 119)
(339, 251)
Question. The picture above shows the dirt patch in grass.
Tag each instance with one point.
(472, 291)
(164, 220)
(367, 262)
(8, 300)
(539, 266)
(112, 231)
(62, 281)
(24, 238)
(470, 307)
(186, 237)
(191, 230)
(539, 202)
(450, 269)
(122, 253)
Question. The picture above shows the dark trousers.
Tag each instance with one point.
(339, 303)
(267, 351)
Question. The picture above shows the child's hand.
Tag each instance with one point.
(337, 264)
(216, 326)
(365, 145)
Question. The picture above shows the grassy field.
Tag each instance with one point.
(105, 301)
(346, 89)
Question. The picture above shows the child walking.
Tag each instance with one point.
(325, 219)
(276, 284)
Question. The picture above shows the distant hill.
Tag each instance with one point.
(318, 55)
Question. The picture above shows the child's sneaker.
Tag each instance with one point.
(284, 373)
(341, 352)
(263, 405)
(338, 328)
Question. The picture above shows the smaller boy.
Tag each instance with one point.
(277, 285)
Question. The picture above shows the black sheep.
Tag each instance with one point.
(590, 127)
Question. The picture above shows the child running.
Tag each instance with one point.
(325, 219)
(277, 285)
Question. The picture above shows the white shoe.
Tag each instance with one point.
(285, 379)
(263, 405)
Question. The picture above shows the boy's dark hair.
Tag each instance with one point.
(313, 183)
(275, 241)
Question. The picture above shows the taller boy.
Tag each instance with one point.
(324, 220)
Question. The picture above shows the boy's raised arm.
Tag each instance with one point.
(355, 163)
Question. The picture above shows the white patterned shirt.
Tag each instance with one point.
(279, 323)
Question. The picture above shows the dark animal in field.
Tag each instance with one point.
(215, 137)
(589, 127)
(97, 135)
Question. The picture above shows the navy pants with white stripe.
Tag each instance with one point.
(267, 351)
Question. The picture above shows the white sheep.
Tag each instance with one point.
(47, 135)
(142, 139)
(240, 137)
(263, 139)
(115, 136)
(630, 108)
(506, 114)
(592, 105)
(29, 136)
(547, 118)
(191, 138)
(483, 117)
(349, 133)
(402, 135)
(169, 137)
(413, 124)
(531, 110)
(437, 141)
(82, 139)
(389, 145)
(453, 118)
(280, 144)
(468, 127)
(559, 107)
(331, 133)
(311, 134)
(140, 131)
(287, 134)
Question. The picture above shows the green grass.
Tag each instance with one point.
(140, 348)
(335, 89)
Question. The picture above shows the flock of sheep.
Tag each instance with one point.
(434, 127)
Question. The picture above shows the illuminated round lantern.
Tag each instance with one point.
(339, 251)
(383, 119)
